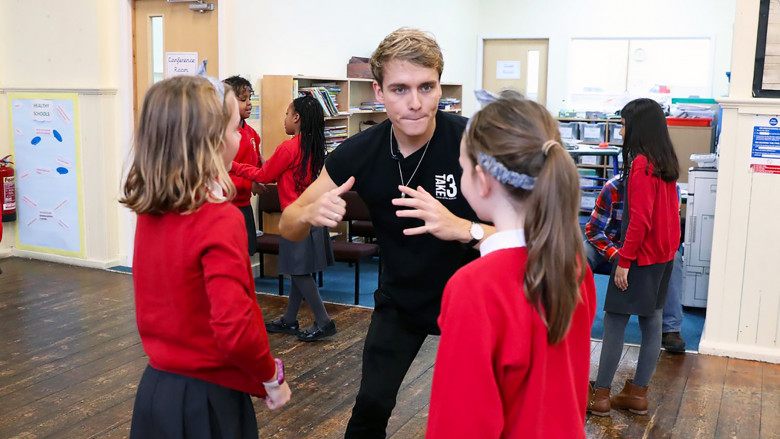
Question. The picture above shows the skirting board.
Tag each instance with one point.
(89, 263)
(742, 351)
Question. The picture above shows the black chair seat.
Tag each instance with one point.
(268, 243)
(362, 228)
(353, 251)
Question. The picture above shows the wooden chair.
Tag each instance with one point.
(354, 252)
(268, 243)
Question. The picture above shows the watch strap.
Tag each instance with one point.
(279, 375)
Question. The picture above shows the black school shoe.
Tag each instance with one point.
(280, 327)
(319, 333)
(672, 342)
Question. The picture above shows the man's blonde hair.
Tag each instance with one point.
(177, 149)
(407, 44)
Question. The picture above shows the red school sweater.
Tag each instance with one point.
(653, 233)
(195, 298)
(496, 376)
(280, 167)
(249, 153)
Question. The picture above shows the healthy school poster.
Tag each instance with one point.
(46, 150)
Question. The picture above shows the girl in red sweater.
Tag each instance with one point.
(248, 152)
(294, 165)
(514, 354)
(639, 280)
(195, 302)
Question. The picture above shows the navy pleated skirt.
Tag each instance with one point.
(174, 406)
(310, 255)
(648, 286)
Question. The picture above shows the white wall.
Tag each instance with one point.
(75, 46)
(288, 40)
(743, 312)
(312, 37)
(562, 20)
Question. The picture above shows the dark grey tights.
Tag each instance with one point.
(304, 287)
(612, 347)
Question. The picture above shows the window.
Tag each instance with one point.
(605, 73)
(157, 49)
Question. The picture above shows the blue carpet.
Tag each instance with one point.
(121, 269)
(338, 283)
(338, 287)
(692, 325)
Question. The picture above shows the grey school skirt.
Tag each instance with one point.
(311, 255)
(646, 293)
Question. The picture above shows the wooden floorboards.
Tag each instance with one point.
(70, 361)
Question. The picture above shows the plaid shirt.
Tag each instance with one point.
(603, 228)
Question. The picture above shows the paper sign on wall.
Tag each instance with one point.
(181, 63)
(765, 151)
(46, 147)
(507, 69)
(41, 110)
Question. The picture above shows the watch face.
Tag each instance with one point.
(477, 232)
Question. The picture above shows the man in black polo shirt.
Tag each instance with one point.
(425, 234)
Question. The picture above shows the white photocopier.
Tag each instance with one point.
(699, 221)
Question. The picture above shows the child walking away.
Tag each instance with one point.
(640, 278)
(294, 165)
(514, 355)
(196, 309)
(248, 152)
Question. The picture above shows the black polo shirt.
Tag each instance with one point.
(415, 268)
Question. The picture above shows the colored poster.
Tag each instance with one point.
(46, 148)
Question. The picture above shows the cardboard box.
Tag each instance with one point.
(359, 68)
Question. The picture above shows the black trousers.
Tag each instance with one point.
(389, 350)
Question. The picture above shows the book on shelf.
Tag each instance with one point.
(329, 106)
(371, 106)
(449, 103)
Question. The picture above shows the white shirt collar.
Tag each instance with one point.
(502, 240)
(216, 190)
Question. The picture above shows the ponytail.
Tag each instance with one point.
(555, 267)
(312, 141)
(519, 143)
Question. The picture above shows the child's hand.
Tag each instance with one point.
(278, 396)
(621, 278)
(258, 188)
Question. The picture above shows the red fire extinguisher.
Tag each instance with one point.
(8, 189)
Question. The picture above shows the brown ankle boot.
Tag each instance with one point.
(633, 398)
(598, 400)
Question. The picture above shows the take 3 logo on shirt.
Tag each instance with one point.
(446, 189)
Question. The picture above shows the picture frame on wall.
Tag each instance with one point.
(766, 74)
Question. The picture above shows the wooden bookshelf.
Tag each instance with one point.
(278, 92)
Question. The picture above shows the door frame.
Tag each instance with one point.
(481, 38)
(126, 91)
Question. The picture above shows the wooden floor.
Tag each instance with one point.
(70, 360)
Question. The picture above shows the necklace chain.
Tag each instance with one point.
(400, 173)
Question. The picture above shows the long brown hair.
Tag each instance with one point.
(177, 148)
(513, 130)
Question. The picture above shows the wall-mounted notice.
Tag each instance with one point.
(181, 63)
(45, 142)
(765, 151)
(507, 69)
